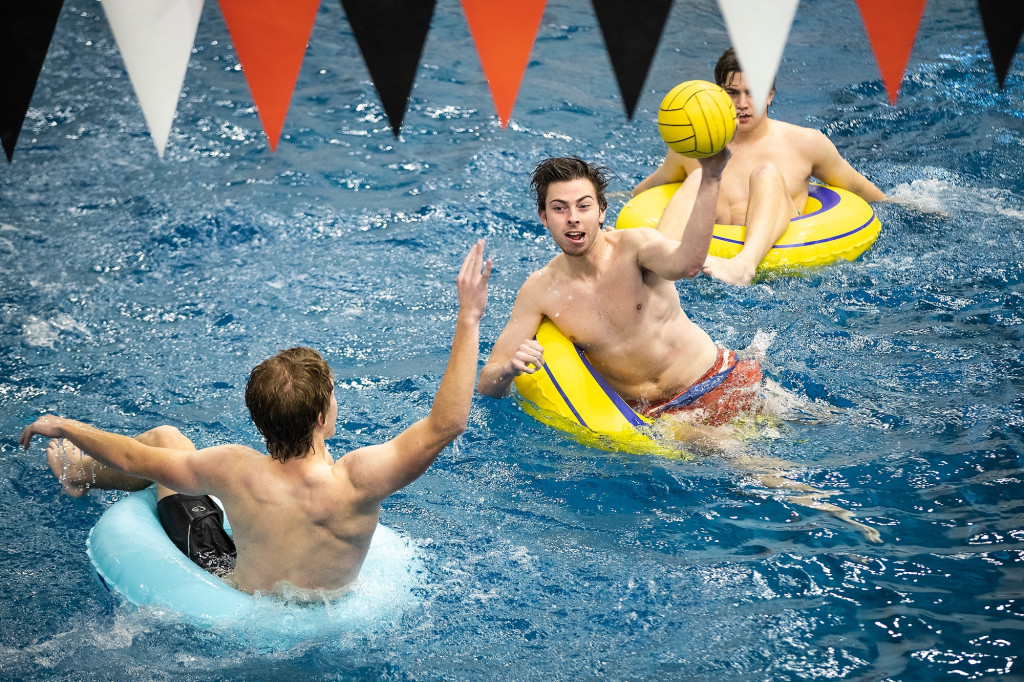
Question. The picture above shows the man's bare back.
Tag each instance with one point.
(300, 520)
(308, 526)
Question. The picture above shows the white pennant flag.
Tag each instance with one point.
(758, 30)
(155, 38)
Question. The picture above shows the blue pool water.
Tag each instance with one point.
(138, 291)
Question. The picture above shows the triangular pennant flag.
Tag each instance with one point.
(631, 35)
(26, 29)
(270, 37)
(758, 31)
(391, 34)
(1004, 24)
(504, 36)
(155, 39)
(892, 27)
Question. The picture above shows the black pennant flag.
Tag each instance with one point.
(631, 31)
(391, 34)
(26, 29)
(1004, 24)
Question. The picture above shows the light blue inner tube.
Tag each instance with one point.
(133, 557)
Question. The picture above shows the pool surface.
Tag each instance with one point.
(136, 291)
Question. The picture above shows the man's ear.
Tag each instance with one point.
(543, 214)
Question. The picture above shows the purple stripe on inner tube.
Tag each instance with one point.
(829, 199)
(616, 399)
(564, 396)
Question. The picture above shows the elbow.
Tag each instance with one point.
(689, 270)
(489, 390)
(693, 270)
(490, 383)
(450, 431)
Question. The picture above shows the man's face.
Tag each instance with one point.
(737, 88)
(573, 216)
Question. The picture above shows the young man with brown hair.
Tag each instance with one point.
(765, 184)
(613, 294)
(301, 520)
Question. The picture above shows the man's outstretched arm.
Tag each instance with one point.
(380, 470)
(674, 168)
(831, 168)
(185, 471)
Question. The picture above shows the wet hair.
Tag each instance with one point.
(287, 395)
(566, 169)
(729, 63)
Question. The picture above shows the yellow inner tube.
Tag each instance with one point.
(568, 394)
(835, 224)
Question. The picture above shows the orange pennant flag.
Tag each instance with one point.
(504, 35)
(270, 37)
(892, 27)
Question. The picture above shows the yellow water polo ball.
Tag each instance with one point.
(697, 119)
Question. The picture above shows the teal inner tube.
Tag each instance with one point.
(133, 557)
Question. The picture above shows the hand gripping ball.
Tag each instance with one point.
(697, 119)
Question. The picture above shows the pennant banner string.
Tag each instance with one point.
(26, 29)
(271, 37)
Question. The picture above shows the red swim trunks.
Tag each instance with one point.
(730, 387)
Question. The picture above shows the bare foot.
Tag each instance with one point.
(729, 270)
(814, 502)
(72, 467)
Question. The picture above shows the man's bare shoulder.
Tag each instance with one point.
(799, 137)
(678, 163)
(235, 449)
(535, 290)
(538, 279)
(632, 238)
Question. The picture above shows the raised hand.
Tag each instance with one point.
(472, 282)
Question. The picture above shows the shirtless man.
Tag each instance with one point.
(300, 519)
(612, 292)
(765, 184)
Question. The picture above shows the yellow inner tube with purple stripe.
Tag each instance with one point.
(835, 224)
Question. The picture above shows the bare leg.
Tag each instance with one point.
(78, 472)
(769, 209)
(701, 438)
(772, 474)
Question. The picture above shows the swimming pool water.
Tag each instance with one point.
(138, 291)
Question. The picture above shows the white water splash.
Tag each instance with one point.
(943, 196)
(45, 333)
